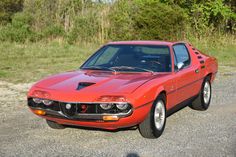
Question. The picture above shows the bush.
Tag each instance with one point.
(85, 29)
(96, 21)
(18, 30)
(159, 21)
(121, 22)
(8, 8)
(146, 20)
(53, 31)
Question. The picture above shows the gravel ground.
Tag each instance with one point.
(188, 132)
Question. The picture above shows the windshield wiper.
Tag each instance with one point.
(131, 68)
(98, 68)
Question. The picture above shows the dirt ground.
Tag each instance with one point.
(188, 132)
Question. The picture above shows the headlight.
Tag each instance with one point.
(47, 102)
(106, 106)
(122, 106)
(37, 100)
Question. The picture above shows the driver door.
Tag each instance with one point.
(186, 77)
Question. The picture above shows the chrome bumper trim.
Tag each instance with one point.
(82, 116)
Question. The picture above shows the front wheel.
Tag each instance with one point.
(203, 100)
(154, 125)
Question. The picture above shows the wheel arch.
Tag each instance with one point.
(211, 68)
(209, 75)
(161, 91)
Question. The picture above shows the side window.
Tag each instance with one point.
(181, 54)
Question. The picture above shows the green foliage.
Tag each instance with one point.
(210, 14)
(155, 20)
(84, 29)
(147, 20)
(85, 21)
(8, 8)
(52, 31)
(18, 30)
(122, 25)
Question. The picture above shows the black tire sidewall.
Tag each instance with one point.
(156, 132)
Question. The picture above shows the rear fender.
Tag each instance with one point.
(211, 68)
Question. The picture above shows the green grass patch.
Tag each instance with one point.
(3, 74)
(223, 47)
(33, 61)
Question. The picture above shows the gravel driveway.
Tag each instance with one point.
(188, 132)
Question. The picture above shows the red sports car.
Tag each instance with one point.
(125, 84)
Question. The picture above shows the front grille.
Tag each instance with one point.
(68, 111)
(78, 108)
(72, 110)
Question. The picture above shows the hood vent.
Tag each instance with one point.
(82, 85)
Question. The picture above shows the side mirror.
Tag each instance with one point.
(180, 66)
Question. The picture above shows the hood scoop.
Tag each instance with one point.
(82, 85)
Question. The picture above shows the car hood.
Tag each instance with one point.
(94, 82)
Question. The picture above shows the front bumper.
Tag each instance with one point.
(132, 117)
(80, 116)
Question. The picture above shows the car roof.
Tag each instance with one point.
(141, 42)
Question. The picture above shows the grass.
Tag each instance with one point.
(32, 61)
(223, 47)
(2, 74)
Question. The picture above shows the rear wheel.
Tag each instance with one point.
(55, 125)
(154, 124)
(203, 100)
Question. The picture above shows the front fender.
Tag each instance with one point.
(146, 94)
(159, 90)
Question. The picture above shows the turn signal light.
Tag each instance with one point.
(110, 118)
(39, 112)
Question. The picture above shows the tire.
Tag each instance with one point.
(203, 100)
(149, 128)
(54, 125)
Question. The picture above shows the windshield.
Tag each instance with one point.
(130, 58)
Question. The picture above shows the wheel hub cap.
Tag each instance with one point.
(159, 115)
(206, 93)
